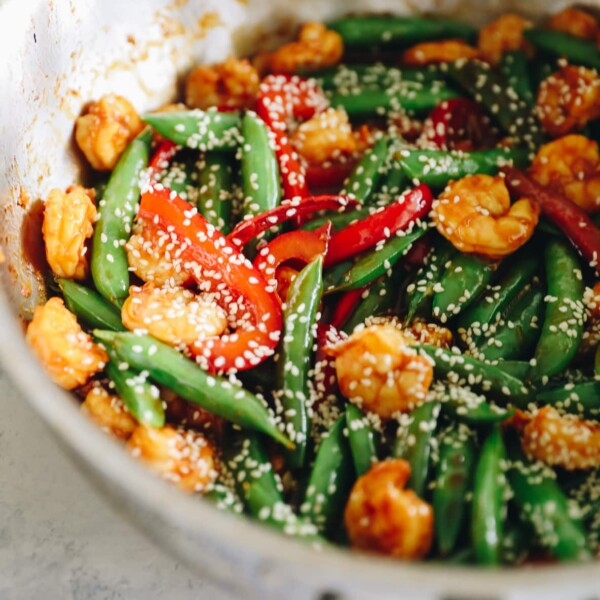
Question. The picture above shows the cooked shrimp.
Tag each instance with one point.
(475, 214)
(317, 47)
(182, 457)
(428, 53)
(68, 224)
(576, 22)
(503, 35)
(381, 516)
(568, 99)
(106, 129)
(429, 333)
(378, 370)
(151, 255)
(231, 83)
(561, 440)
(175, 316)
(109, 412)
(326, 136)
(64, 349)
(571, 164)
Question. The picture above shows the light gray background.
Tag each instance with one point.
(59, 538)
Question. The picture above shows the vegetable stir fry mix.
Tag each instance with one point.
(358, 301)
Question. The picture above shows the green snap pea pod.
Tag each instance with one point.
(377, 300)
(366, 175)
(516, 542)
(477, 319)
(514, 65)
(168, 367)
(330, 481)
(383, 30)
(493, 91)
(489, 500)
(466, 277)
(90, 307)
(302, 304)
(259, 488)
(411, 96)
(577, 50)
(564, 318)
(362, 440)
(199, 129)
(517, 368)
(581, 399)
(452, 481)
(224, 498)
(110, 270)
(260, 170)
(334, 275)
(437, 167)
(428, 278)
(141, 398)
(180, 175)
(514, 336)
(215, 190)
(463, 370)
(544, 505)
(414, 444)
(467, 407)
(392, 185)
(375, 263)
(338, 220)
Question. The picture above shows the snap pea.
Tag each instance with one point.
(117, 208)
(224, 498)
(581, 399)
(180, 175)
(384, 30)
(414, 444)
(170, 368)
(141, 398)
(517, 368)
(334, 275)
(376, 262)
(467, 407)
(452, 480)
(215, 190)
(489, 500)
(564, 317)
(516, 542)
(463, 370)
(302, 304)
(89, 306)
(393, 184)
(366, 175)
(338, 220)
(577, 50)
(544, 505)
(362, 440)
(464, 279)
(330, 481)
(199, 129)
(437, 167)
(514, 65)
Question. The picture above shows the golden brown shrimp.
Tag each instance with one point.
(326, 136)
(503, 35)
(561, 440)
(185, 458)
(381, 516)
(68, 224)
(475, 214)
(104, 131)
(429, 333)
(175, 316)
(379, 371)
(576, 22)
(64, 349)
(231, 83)
(570, 164)
(109, 412)
(428, 53)
(568, 99)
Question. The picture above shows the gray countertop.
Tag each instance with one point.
(59, 538)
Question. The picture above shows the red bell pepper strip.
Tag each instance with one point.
(367, 232)
(161, 158)
(566, 215)
(345, 307)
(280, 98)
(218, 267)
(285, 276)
(249, 228)
(328, 176)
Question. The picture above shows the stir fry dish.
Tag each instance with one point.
(351, 286)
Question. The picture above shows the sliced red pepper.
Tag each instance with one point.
(566, 215)
(328, 176)
(418, 253)
(280, 98)
(248, 229)
(161, 158)
(220, 268)
(285, 276)
(367, 232)
(345, 307)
